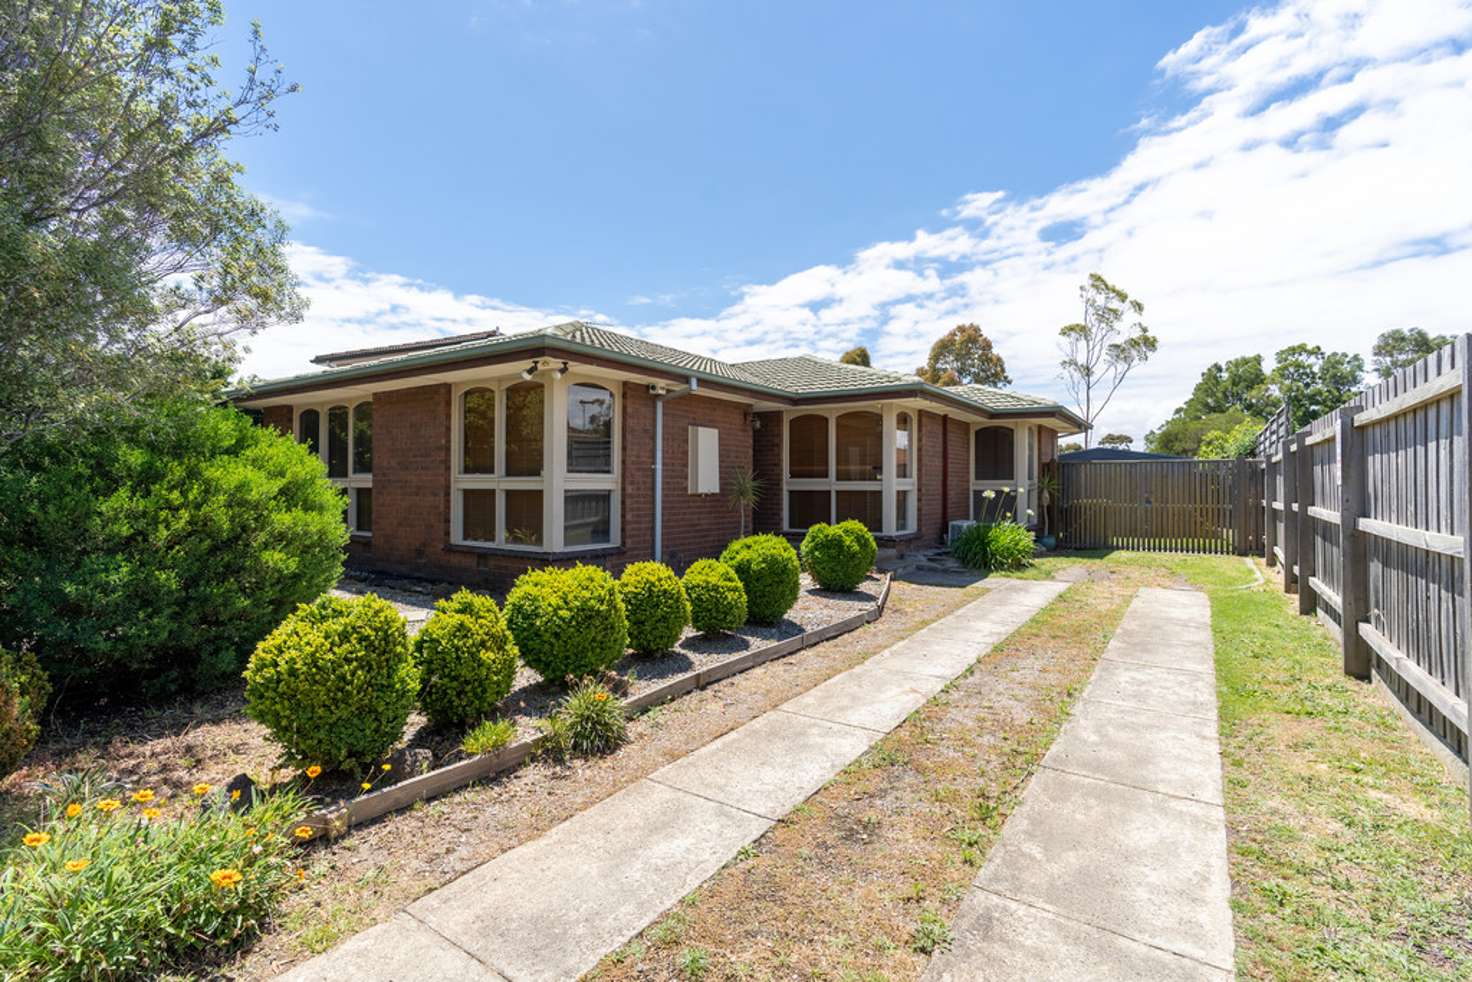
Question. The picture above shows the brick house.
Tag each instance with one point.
(473, 457)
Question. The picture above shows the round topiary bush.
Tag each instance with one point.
(23, 692)
(567, 623)
(335, 682)
(769, 571)
(466, 660)
(863, 538)
(835, 557)
(717, 598)
(656, 606)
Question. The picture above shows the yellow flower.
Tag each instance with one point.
(77, 865)
(224, 879)
(301, 874)
(313, 771)
(388, 767)
(73, 810)
(143, 797)
(303, 832)
(109, 805)
(201, 788)
(149, 814)
(600, 697)
(250, 831)
(235, 795)
(365, 785)
(35, 839)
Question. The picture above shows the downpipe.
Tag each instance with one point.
(661, 396)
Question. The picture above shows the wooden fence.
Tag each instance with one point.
(1367, 511)
(1162, 506)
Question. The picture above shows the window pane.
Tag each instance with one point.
(902, 445)
(860, 440)
(364, 499)
(478, 515)
(524, 433)
(523, 518)
(587, 518)
(806, 508)
(309, 430)
(1032, 454)
(994, 453)
(363, 438)
(902, 511)
(478, 432)
(866, 506)
(337, 441)
(1000, 507)
(807, 448)
(589, 430)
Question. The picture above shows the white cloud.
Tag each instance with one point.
(1314, 189)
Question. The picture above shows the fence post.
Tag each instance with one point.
(1466, 467)
(1269, 515)
(1290, 517)
(1354, 596)
(1240, 486)
(1303, 460)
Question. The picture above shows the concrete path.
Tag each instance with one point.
(1114, 866)
(551, 908)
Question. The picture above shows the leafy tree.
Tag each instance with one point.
(1100, 351)
(1239, 441)
(131, 261)
(1117, 440)
(856, 356)
(1181, 436)
(1398, 348)
(1241, 384)
(964, 356)
(1314, 382)
(1070, 447)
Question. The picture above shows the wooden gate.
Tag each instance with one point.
(1211, 506)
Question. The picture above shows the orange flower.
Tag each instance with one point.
(313, 771)
(143, 797)
(301, 874)
(109, 805)
(235, 795)
(36, 839)
(303, 832)
(77, 865)
(201, 788)
(149, 814)
(600, 697)
(73, 810)
(224, 879)
(250, 831)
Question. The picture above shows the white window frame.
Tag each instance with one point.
(354, 480)
(887, 485)
(895, 483)
(1021, 433)
(555, 481)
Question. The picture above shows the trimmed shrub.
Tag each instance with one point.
(863, 538)
(23, 693)
(656, 606)
(770, 573)
(104, 895)
(335, 682)
(589, 722)
(150, 557)
(567, 622)
(717, 598)
(466, 660)
(999, 546)
(835, 556)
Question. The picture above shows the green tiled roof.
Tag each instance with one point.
(806, 373)
(1001, 400)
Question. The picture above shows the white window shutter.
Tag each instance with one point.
(705, 460)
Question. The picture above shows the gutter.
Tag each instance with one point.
(660, 398)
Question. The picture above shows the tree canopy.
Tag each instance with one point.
(1314, 382)
(1117, 440)
(131, 260)
(856, 356)
(1401, 347)
(1101, 351)
(964, 356)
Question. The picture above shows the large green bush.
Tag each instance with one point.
(656, 605)
(768, 568)
(997, 546)
(151, 557)
(466, 660)
(23, 693)
(863, 538)
(335, 682)
(717, 598)
(835, 556)
(567, 622)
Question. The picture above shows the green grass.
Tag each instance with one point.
(1349, 842)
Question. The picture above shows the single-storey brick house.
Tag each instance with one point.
(475, 456)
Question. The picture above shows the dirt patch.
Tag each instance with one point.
(862, 877)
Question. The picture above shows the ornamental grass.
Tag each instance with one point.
(103, 889)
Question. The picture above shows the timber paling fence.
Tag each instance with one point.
(1163, 506)
(1367, 514)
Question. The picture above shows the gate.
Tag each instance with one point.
(1211, 506)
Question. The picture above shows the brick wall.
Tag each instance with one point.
(767, 464)
(696, 526)
(939, 504)
(959, 491)
(637, 479)
(411, 481)
(278, 418)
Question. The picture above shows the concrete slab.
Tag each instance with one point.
(1009, 941)
(1196, 657)
(1142, 748)
(1149, 687)
(1144, 865)
(875, 697)
(1148, 630)
(400, 950)
(941, 657)
(551, 908)
(770, 765)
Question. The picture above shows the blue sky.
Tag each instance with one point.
(744, 179)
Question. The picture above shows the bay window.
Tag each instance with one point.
(997, 490)
(341, 436)
(843, 464)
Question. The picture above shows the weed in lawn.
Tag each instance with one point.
(669, 929)
(489, 735)
(931, 934)
(694, 962)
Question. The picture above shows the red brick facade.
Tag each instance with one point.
(278, 418)
(696, 526)
(766, 453)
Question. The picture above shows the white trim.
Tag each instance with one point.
(352, 482)
(888, 485)
(1023, 435)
